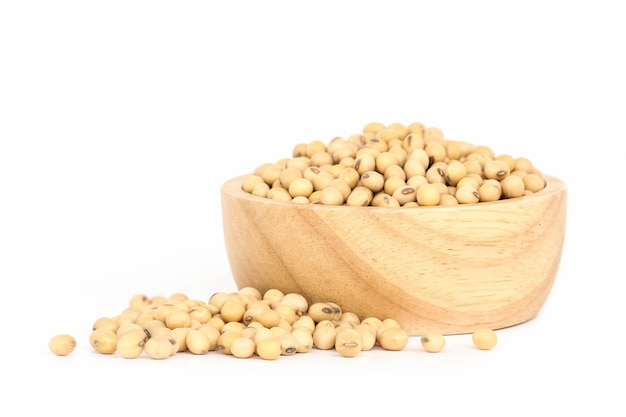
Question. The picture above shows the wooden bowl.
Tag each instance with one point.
(450, 269)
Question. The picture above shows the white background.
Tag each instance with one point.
(119, 122)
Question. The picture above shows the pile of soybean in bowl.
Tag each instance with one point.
(245, 324)
(394, 165)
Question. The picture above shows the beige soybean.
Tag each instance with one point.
(322, 180)
(242, 347)
(373, 180)
(398, 151)
(289, 344)
(496, 169)
(161, 331)
(218, 299)
(392, 184)
(395, 171)
(225, 340)
(331, 196)
(350, 317)
(448, 200)
(523, 164)
(249, 332)
(153, 326)
(508, 159)
(436, 152)
(436, 173)
(279, 194)
(297, 301)
(321, 158)
(273, 296)
(414, 167)
(348, 342)
(232, 311)
(484, 339)
(324, 335)
(304, 321)
(377, 143)
(269, 318)
(164, 310)
(470, 180)
(299, 162)
(374, 322)
(197, 342)
(384, 160)
(534, 182)
(233, 325)
(365, 162)
(62, 344)
(269, 348)
(304, 338)
(393, 338)
(433, 342)
(489, 190)
(216, 322)
(180, 336)
(160, 347)
(278, 331)
(382, 199)
(201, 314)
(389, 322)
(512, 186)
(453, 149)
(344, 152)
(321, 311)
(213, 334)
(262, 333)
(467, 194)
(337, 311)
(178, 318)
(130, 328)
(106, 323)
(368, 335)
(272, 173)
(103, 340)
(373, 127)
(138, 301)
(130, 345)
(454, 172)
(412, 141)
(428, 195)
(300, 187)
(253, 312)
(239, 324)
(286, 312)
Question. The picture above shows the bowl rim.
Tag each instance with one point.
(233, 188)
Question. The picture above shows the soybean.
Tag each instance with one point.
(242, 347)
(348, 343)
(269, 348)
(197, 342)
(130, 345)
(484, 339)
(393, 338)
(241, 324)
(62, 344)
(103, 340)
(383, 159)
(160, 347)
(433, 342)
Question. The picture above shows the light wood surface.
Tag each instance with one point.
(450, 269)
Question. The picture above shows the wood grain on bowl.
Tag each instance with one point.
(447, 269)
